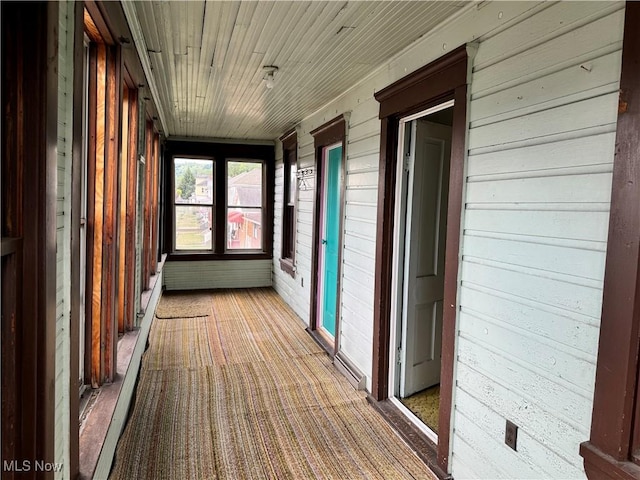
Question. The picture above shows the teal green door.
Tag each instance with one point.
(331, 239)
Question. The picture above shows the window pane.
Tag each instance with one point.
(193, 181)
(293, 181)
(244, 184)
(193, 228)
(244, 229)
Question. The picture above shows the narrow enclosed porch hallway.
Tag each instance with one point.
(232, 387)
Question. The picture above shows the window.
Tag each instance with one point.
(290, 166)
(220, 196)
(244, 205)
(194, 202)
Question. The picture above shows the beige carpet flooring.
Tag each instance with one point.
(245, 393)
(426, 406)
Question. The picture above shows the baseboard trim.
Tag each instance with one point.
(354, 376)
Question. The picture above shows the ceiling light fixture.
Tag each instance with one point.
(269, 72)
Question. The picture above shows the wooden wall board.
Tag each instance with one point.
(98, 181)
(131, 210)
(122, 211)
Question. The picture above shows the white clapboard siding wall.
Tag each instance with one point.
(296, 291)
(217, 274)
(542, 125)
(63, 247)
(362, 153)
(291, 289)
(359, 217)
(542, 118)
(541, 140)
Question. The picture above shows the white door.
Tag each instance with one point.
(425, 237)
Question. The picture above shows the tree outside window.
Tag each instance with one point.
(193, 204)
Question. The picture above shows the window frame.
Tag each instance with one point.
(221, 153)
(289, 206)
(212, 205)
(262, 206)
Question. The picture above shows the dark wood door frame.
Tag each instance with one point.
(330, 133)
(613, 450)
(431, 85)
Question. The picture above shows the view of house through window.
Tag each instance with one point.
(244, 205)
(193, 204)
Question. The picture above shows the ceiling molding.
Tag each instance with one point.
(141, 47)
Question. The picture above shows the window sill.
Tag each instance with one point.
(198, 257)
(286, 265)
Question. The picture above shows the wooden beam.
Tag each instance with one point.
(98, 29)
(91, 212)
(122, 241)
(11, 313)
(97, 360)
(131, 209)
(111, 203)
(29, 169)
(12, 218)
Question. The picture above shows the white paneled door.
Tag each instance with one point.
(427, 162)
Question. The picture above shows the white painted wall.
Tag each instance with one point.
(542, 113)
(217, 274)
(358, 256)
(63, 225)
(541, 141)
(362, 153)
(294, 290)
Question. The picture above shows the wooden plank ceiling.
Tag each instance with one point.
(207, 57)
